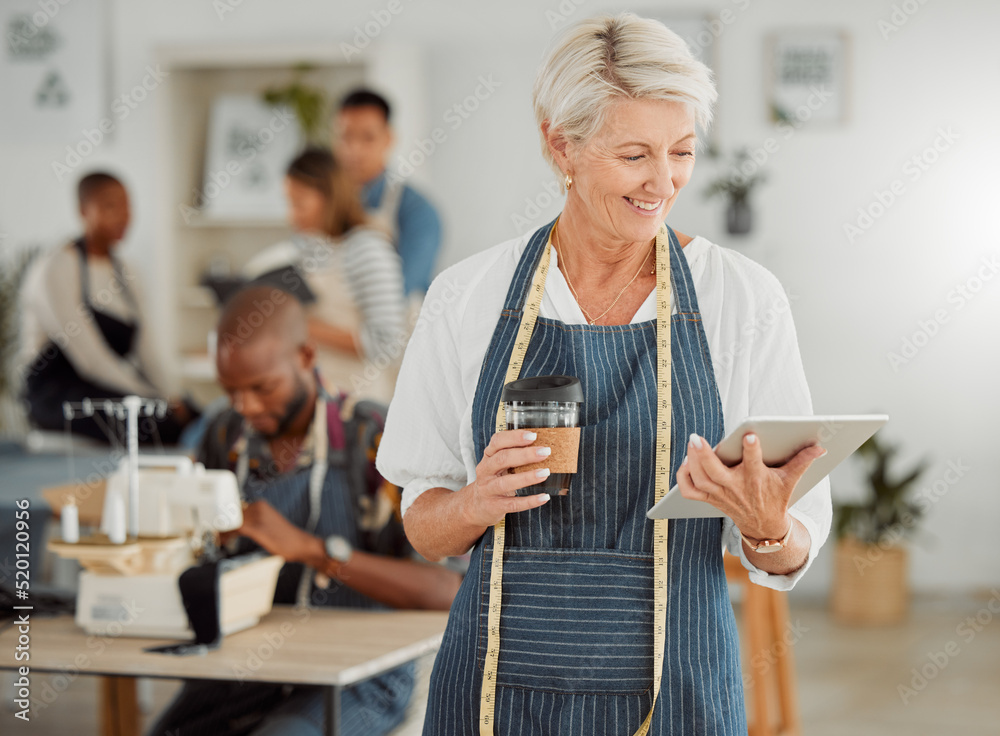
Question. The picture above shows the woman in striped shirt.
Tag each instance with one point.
(358, 318)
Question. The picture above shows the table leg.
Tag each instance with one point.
(119, 707)
(332, 710)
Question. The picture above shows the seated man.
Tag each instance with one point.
(306, 464)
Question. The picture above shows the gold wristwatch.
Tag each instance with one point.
(766, 546)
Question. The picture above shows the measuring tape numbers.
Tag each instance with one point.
(487, 700)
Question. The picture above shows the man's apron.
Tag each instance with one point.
(577, 632)
(320, 502)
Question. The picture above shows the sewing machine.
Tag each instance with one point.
(129, 584)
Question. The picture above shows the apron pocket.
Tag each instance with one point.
(573, 621)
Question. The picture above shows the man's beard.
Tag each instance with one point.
(292, 408)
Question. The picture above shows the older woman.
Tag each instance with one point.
(578, 614)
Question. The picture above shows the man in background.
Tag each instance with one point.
(305, 460)
(362, 143)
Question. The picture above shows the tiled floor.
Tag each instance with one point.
(849, 679)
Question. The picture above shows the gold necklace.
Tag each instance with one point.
(593, 321)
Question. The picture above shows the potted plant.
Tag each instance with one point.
(870, 585)
(308, 102)
(736, 184)
(12, 271)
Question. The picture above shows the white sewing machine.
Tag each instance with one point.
(130, 588)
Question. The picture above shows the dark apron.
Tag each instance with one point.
(228, 708)
(51, 378)
(577, 631)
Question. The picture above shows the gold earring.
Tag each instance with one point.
(568, 182)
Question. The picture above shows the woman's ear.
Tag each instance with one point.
(558, 146)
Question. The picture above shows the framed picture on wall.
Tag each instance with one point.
(808, 76)
(53, 73)
(250, 144)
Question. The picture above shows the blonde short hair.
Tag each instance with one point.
(611, 57)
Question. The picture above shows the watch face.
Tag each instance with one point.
(767, 548)
(338, 548)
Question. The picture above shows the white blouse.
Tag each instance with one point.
(747, 318)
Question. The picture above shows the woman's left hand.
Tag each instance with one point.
(753, 495)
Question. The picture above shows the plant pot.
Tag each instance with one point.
(739, 217)
(870, 586)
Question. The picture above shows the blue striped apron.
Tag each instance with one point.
(576, 633)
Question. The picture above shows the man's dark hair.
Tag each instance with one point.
(93, 183)
(366, 98)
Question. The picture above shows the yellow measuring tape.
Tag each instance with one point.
(487, 698)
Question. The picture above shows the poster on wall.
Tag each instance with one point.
(53, 69)
(250, 145)
(808, 77)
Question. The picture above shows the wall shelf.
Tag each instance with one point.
(191, 244)
(201, 221)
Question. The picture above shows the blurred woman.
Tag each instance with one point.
(352, 270)
(85, 335)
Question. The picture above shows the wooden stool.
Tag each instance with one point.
(769, 662)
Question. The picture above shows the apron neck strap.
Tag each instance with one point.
(119, 274)
(521, 282)
(680, 277)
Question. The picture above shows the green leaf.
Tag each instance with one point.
(308, 103)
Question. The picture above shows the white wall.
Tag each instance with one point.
(854, 302)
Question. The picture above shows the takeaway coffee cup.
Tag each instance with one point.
(550, 407)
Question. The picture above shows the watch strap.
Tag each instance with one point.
(769, 545)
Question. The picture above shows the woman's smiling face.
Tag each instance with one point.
(628, 175)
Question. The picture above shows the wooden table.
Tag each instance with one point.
(333, 648)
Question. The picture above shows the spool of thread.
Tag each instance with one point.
(69, 519)
(116, 524)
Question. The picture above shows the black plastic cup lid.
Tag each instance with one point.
(544, 388)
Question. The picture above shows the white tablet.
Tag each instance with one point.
(780, 439)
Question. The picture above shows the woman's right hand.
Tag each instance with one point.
(492, 495)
